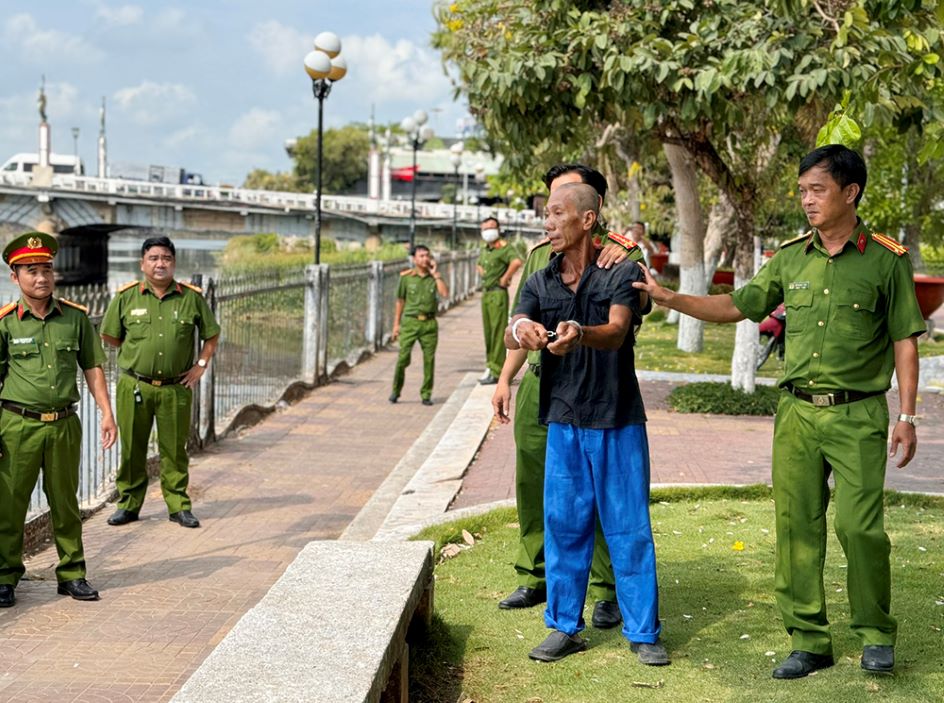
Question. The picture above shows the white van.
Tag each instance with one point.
(24, 163)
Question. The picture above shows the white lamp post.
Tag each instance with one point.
(325, 66)
(456, 158)
(418, 134)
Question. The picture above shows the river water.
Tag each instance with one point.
(196, 255)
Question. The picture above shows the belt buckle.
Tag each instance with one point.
(156, 382)
(48, 417)
(824, 400)
(421, 318)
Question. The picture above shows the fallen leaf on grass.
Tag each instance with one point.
(872, 687)
(468, 538)
(708, 665)
(643, 684)
(450, 551)
(745, 637)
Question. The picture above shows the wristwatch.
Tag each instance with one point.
(202, 363)
(910, 419)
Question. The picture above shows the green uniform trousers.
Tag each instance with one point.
(29, 445)
(426, 332)
(170, 406)
(811, 442)
(530, 450)
(494, 321)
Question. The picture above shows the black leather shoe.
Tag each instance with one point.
(606, 614)
(78, 589)
(557, 646)
(122, 517)
(393, 398)
(524, 597)
(7, 598)
(879, 658)
(426, 401)
(650, 654)
(184, 518)
(800, 664)
(488, 380)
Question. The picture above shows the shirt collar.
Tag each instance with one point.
(859, 239)
(145, 287)
(23, 308)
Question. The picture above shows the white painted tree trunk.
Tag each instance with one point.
(719, 235)
(691, 229)
(744, 359)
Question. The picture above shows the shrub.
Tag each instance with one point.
(722, 399)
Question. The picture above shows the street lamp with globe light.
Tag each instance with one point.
(456, 158)
(418, 134)
(324, 66)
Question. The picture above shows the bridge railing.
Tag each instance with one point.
(280, 330)
(268, 200)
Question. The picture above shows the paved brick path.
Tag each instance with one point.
(171, 594)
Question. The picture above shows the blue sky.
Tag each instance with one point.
(215, 87)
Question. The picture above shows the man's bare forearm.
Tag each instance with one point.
(710, 308)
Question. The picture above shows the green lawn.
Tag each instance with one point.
(656, 350)
(721, 626)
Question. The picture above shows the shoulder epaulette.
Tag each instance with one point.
(625, 242)
(796, 240)
(7, 309)
(126, 286)
(408, 272)
(889, 244)
(543, 243)
(74, 305)
(195, 289)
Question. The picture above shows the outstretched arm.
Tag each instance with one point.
(710, 308)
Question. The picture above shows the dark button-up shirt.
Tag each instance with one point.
(844, 312)
(157, 333)
(587, 387)
(39, 359)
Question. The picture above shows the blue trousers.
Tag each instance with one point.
(599, 472)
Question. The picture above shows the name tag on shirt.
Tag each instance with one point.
(137, 312)
(21, 340)
(799, 285)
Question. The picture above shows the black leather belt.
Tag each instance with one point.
(825, 400)
(153, 381)
(48, 416)
(422, 317)
(535, 369)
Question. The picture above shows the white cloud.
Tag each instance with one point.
(282, 48)
(122, 16)
(181, 137)
(256, 128)
(150, 102)
(26, 38)
(393, 72)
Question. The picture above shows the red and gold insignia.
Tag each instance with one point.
(34, 243)
(625, 242)
(861, 242)
(7, 309)
(74, 305)
(890, 244)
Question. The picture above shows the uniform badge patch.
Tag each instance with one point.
(137, 312)
(799, 285)
(21, 340)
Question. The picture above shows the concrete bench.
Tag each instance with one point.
(332, 629)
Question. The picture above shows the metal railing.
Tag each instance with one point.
(279, 328)
(244, 198)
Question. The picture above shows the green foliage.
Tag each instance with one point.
(345, 158)
(722, 399)
(260, 179)
(261, 252)
(839, 129)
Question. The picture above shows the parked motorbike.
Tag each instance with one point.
(773, 333)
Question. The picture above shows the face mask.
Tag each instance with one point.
(490, 235)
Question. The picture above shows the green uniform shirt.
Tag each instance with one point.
(495, 261)
(157, 333)
(39, 358)
(843, 312)
(538, 259)
(419, 292)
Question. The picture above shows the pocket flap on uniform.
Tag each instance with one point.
(67, 345)
(858, 298)
(24, 348)
(798, 297)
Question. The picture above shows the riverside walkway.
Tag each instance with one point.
(169, 595)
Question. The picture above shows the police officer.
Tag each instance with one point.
(531, 435)
(854, 319)
(497, 264)
(43, 342)
(153, 323)
(415, 320)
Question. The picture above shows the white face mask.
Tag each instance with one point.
(490, 235)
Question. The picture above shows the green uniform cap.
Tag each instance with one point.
(31, 248)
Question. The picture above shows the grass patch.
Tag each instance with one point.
(711, 596)
(722, 399)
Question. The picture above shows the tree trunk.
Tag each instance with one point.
(721, 225)
(691, 221)
(744, 359)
